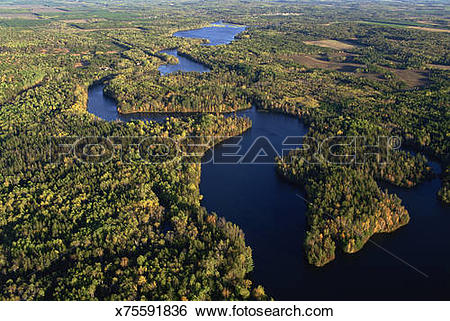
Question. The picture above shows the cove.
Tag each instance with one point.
(273, 218)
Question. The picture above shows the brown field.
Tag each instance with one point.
(427, 22)
(333, 44)
(314, 62)
(429, 29)
(412, 78)
(76, 21)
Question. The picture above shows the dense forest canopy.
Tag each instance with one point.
(137, 231)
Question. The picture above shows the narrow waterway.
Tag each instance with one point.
(272, 216)
(184, 64)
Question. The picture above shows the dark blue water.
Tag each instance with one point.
(272, 216)
(185, 64)
(219, 33)
(105, 108)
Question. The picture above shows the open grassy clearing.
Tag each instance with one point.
(429, 29)
(315, 62)
(328, 43)
(412, 78)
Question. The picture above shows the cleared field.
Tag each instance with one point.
(412, 78)
(314, 62)
(76, 21)
(429, 29)
(333, 44)
(427, 22)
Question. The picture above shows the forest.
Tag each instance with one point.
(136, 231)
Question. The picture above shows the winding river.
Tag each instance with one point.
(272, 215)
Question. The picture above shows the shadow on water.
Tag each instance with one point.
(273, 219)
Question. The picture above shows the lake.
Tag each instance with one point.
(273, 218)
(218, 34)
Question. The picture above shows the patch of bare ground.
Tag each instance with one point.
(55, 51)
(412, 78)
(81, 21)
(429, 29)
(333, 44)
(60, 50)
(427, 22)
(76, 21)
(315, 62)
